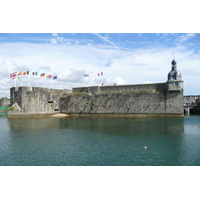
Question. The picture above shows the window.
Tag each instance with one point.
(176, 84)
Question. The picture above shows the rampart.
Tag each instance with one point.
(34, 101)
(156, 87)
(158, 99)
(128, 100)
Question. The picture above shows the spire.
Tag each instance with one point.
(173, 63)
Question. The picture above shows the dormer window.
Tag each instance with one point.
(177, 84)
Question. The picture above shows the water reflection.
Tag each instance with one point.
(107, 125)
(97, 141)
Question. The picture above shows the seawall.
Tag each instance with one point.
(34, 102)
(159, 99)
(127, 103)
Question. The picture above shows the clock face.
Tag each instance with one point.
(171, 73)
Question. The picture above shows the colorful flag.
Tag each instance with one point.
(100, 74)
(42, 75)
(49, 76)
(20, 73)
(26, 73)
(13, 75)
(35, 73)
(55, 77)
(87, 75)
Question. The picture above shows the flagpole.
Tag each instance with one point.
(29, 80)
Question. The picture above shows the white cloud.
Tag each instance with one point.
(71, 62)
(77, 42)
(184, 38)
(106, 40)
(120, 81)
(89, 44)
(71, 75)
(53, 41)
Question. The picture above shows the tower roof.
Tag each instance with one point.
(173, 62)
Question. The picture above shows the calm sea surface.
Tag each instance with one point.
(100, 141)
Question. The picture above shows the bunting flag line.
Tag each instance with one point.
(55, 77)
(20, 73)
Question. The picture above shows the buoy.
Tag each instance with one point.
(144, 147)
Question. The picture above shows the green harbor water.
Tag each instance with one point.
(100, 141)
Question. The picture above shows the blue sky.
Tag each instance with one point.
(124, 58)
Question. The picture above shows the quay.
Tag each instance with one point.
(192, 104)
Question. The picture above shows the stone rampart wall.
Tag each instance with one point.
(36, 99)
(139, 87)
(143, 99)
(124, 103)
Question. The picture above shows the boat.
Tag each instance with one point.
(4, 109)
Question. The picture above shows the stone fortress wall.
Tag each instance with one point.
(156, 87)
(127, 100)
(141, 99)
(35, 101)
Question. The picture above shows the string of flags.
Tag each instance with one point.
(16, 75)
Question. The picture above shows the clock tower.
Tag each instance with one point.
(174, 74)
(174, 79)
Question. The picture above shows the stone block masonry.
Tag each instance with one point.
(4, 102)
(35, 101)
(124, 103)
(123, 100)
(155, 87)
